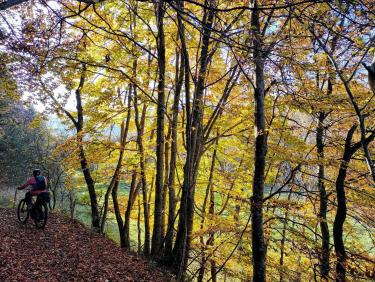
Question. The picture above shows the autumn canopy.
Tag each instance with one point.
(223, 140)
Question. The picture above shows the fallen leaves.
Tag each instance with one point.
(65, 251)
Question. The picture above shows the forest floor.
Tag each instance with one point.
(65, 251)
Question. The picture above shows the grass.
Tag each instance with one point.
(83, 212)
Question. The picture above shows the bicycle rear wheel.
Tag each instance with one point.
(41, 215)
(22, 212)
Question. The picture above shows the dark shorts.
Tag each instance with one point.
(44, 197)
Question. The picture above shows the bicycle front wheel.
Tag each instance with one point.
(41, 215)
(22, 212)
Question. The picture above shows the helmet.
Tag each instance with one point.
(36, 172)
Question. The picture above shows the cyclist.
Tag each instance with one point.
(39, 186)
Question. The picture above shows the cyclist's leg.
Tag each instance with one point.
(28, 198)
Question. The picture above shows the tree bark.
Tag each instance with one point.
(211, 212)
(172, 165)
(211, 239)
(258, 246)
(119, 220)
(194, 134)
(338, 224)
(116, 206)
(158, 210)
(134, 188)
(341, 210)
(140, 130)
(139, 227)
(323, 198)
(95, 220)
(165, 186)
(115, 178)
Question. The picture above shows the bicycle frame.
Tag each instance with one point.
(38, 212)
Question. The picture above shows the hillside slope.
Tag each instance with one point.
(65, 251)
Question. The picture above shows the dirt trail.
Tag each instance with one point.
(65, 251)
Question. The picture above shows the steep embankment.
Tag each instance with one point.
(65, 251)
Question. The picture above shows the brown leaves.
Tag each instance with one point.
(65, 251)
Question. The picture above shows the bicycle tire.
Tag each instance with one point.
(41, 215)
(22, 208)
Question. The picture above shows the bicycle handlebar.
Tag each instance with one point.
(26, 188)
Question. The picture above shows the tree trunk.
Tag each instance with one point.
(283, 239)
(134, 188)
(123, 226)
(213, 270)
(157, 231)
(194, 151)
(338, 223)
(84, 165)
(139, 227)
(258, 246)
(282, 248)
(115, 178)
(172, 165)
(322, 216)
(119, 220)
(124, 134)
(211, 239)
(210, 192)
(140, 130)
(165, 185)
(341, 210)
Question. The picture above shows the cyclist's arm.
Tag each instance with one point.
(31, 181)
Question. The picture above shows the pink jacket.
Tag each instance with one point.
(32, 181)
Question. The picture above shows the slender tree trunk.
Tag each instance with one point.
(203, 248)
(106, 196)
(91, 188)
(119, 220)
(202, 267)
(146, 213)
(165, 186)
(115, 178)
(142, 161)
(158, 217)
(322, 216)
(282, 248)
(323, 198)
(213, 270)
(116, 206)
(211, 211)
(211, 239)
(84, 165)
(341, 210)
(362, 126)
(282, 243)
(139, 227)
(123, 226)
(209, 191)
(134, 188)
(72, 204)
(258, 246)
(172, 164)
(338, 224)
(194, 150)
(54, 190)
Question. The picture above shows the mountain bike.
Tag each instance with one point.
(38, 211)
